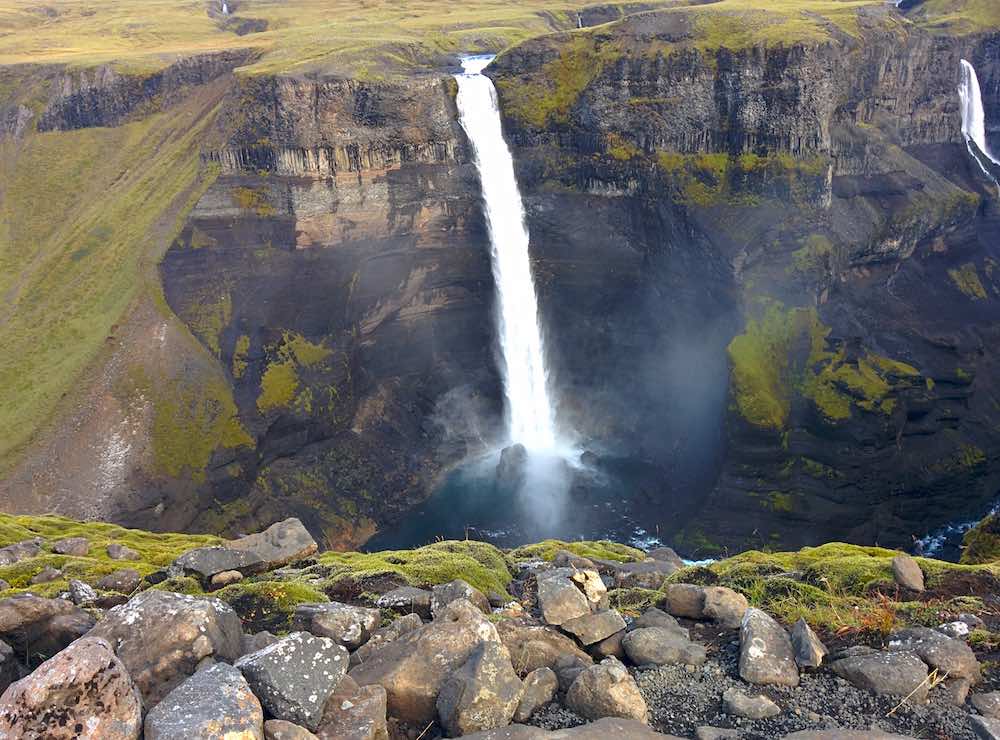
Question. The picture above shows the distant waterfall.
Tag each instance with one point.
(974, 118)
(530, 416)
(225, 7)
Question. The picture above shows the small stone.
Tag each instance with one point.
(684, 600)
(47, 575)
(80, 593)
(609, 647)
(590, 582)
(279, 729)
(715, 733)
(907, 573)
(654, 617)
(540, 688)
(350, 626)
(591, 628)
(4, 586)
(724, 606)
(76, 546)
(809, 650)
(988, 703)
(124, 581)
(972, 620)
(215, 702)
(749, 707)
(226, 578)
(407, 600)
(606, 690)
(446, 593)
(957, 630)
(121, 552)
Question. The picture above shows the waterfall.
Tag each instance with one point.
(974, 118)
(530, 417)
(225, 7)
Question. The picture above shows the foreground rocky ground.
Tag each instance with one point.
(112, 633)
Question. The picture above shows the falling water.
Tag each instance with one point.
(225, 7)
(974, 118)
(529, 410)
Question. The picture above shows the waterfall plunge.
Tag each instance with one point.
(530, 418)
(974, 118)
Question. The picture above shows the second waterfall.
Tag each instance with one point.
(530, 416)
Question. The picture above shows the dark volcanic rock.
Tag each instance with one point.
(124, 581)
(208, 561)
(896, 674)
(350, 626)
(282, 543)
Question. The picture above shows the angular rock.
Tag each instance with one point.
(666, 555)
(724, 606)
(567, 668)
(988, 704)
(809, 650)
(41, 627)
(382, 637)
(654, 617)
(907, 573)
(413, 667)
(206, 562)
(891, 673)
(446, 593)
(77, 546)
(567, 559)
(766, 655)
(282, 543)
(539, 689)
(46, 575)
(295, 676)
(602, 729)
(589, 581)
(350, 626)
(715, 733)
(560, 600)
(161, 638)
(659, 646)
(10, 669)
(591, 628)
(215, 702)
(606, 690)
(646, 574)
(226, 578)
(124, 581)
(258, 641)
(121, 552)
(953, 657)
(83, 692)
(279, 729)
(684, 600)
(609, 647)
(407, 600)
(19, 551)
(844, 735)
(749, 707)
(957, 630)
(481, 695)
(355, 713)
(81, 593)
(956, 690)
(986, 728)
(532, 646)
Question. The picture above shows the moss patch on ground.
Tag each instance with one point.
(982, 542)
(600, 549)
(966, 279)
(268, 605)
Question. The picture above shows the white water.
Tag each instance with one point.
(974, 118)
(530, 418)
(225, 8)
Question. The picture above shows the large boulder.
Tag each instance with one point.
(446, 593)
(282, 543)
(592, 628)
(355, 713)
(19, 551)
(482, 694)
(83, 692)
(37, 627)
(539, 688)
(606, 690)
(76, 546)
(294, 677)
(534, 646)
(809, 650)
(407, 600)
(659, 646)
(937, 650)
(724, 606)
(560, 600)
(207, 562)
(350, 626)
(906, 572)
(413, 667)
(891, 673)
(215, 703)
(684, 600)
(382, 637)
(766, 654)
(161, 638)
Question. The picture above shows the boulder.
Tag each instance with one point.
(413, 667)
(10, 669)
(295, 676)
(121, 552)
(602, 729)
(646, 574)
(279, 729)
(19, 551)
(35, 626)
(906, 572)
(654, 617)
(161, 638)
(956, 690)
(809, 650)
(567, 668)
(407, 600)
(350, 626)
(355, 713)
(840, 734)
(80, 593)
(282, 543)
(891, 673)
(560, 600)
(591, 628)
(606, 690)
(206, 562)
(257, 641)
(446, 593)
(986, 728)
(590, 582)
(684, 600)
(766, 655)
(124, 581)
(724, 606)
(76, 546)
(609, 646)
(215, 702)
(659, 646)
(83, 692)
(226, 578)
(511, 467)
(715, 733)
(957, 630)
(382, 637)
(533, 646)
(748, 707)
(539, 689)
(988, 704)
(666, 555)
(482, 694)
(567, 559)
(950, 656)
(46, 575)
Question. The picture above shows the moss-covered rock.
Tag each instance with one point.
(601, 549)
(267, 604)
(982, 542)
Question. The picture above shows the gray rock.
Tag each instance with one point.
(646, 574)
(715, 733)
(282, 543)
(590, 582)
(809, 650)
(939, 651)
(279, 729)
(988, 704)
(481, 695)
(956, 690)
(666, 555)
(606, 690)
(407, 600)
(957, 630)
(295, 676)
(350, 626)
(766, 655)
(659, 646)
(258, 641)
(986, 728)
(41, 627)
(560, 600)
(355, 713)
(907, 573)
(534, 646)
(84, 686)
(4, 586)
(724, 606)
(77, 546)
(226, 578)
(684, 600)
(124, 581)
(567, 668)
(654, 617)
(382, 637)
(161, 637)
(446, 593)
(839, 734)
(121, 552)
(609, 647)
(20, 551)
(567, 559)
(215, 702)
(46, 575)
(81, 593)
(591, 628)
(749, 707)
(10, 670)
(206, 562)
(972, 620)
(539, 689)
(890, 673)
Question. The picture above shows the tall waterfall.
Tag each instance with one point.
(530, 417)
(974, 118)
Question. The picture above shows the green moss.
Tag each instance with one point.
(982, 542)
(208, 315)
(817, 469)
(268, 605)
(277, 386)
(966, 279)
(240, 356)
(621, 149)
(814, 256)
(600, 549)
(253, 200)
